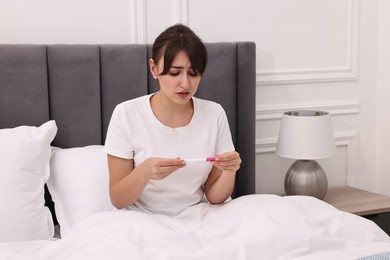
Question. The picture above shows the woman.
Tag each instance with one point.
(149, 138)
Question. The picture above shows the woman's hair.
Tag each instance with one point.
(180, 38)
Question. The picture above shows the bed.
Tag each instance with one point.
(55, 105)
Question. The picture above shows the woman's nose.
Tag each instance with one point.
(185, 81)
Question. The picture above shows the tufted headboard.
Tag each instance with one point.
(78, 86)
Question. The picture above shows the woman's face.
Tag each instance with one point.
(181, 82)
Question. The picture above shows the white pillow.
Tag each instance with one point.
(24, 169)
(78, 184)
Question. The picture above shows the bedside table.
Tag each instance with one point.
(367, 204)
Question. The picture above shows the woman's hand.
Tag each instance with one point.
(220, 182)
(228, 162)
(160, 168)
(127, 183)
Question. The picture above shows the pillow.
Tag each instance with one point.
(25, 156)
(78, 184)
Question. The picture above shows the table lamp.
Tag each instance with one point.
(306, 135)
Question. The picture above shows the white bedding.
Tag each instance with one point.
(250, 227)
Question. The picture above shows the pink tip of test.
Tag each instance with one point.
(210, 159)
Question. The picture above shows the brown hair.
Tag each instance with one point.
(180, 38)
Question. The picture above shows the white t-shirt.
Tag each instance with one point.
(135, 133)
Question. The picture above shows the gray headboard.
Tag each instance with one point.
(79, 86)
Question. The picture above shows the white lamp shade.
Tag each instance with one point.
(306, 134)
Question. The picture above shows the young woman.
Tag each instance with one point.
(149, 138)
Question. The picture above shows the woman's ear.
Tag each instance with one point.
(153, 68)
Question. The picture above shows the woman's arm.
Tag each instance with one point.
(220, 183)
(128, 182)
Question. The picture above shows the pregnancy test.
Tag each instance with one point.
(207, 159)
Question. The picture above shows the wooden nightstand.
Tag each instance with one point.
(367, 204)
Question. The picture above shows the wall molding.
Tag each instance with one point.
(268, 145)
(342, 107)
(138, 14)
(349, 72)
(180, 11)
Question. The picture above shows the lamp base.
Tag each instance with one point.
(306, 177)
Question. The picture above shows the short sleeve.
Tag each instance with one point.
(224, 142)
(118, 139)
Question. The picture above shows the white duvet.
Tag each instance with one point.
(250, 227)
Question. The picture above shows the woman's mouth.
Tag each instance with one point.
(183, 94)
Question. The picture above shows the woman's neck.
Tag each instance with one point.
(169, 113)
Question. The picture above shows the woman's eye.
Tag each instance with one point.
(174, 73)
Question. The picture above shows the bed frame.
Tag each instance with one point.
(79, 85)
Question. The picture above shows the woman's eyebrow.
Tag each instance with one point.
(180, 67)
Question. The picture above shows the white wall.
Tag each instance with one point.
(330, 55)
